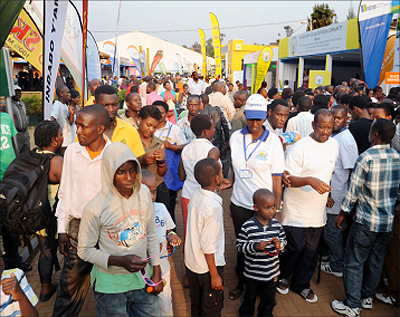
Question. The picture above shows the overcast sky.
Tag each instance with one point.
(177, 21)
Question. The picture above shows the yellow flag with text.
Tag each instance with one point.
(203, 52)
(388, 59)
(217, 43)
(26, 40)
(264, 60)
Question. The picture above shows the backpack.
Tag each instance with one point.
(24, 205)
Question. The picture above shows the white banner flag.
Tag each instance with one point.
(54, 17)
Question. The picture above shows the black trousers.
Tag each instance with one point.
(300, 256)
(163, 194)
(74, 279)
(239, 216)
(205, 301)
(265, 290)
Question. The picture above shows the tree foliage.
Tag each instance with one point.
(289, 30)
(321, 16)
(209, 46)
(351, 14)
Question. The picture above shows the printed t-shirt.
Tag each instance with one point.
(265, 159)
(7, 131)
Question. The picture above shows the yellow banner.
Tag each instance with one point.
(203, 52)
(264, 60)
(25, 39)
(388, 60)
(217, 43)
(319, 78)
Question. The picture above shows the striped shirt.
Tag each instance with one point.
(373, 188)
(257, 264)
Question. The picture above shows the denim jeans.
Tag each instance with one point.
(133, 303)
(334, 239)
(363, 262)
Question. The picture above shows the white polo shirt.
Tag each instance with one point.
(171, 133)
(264, 159)
(304, 207)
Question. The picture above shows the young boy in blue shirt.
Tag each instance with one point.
(260, 239)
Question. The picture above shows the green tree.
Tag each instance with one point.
(321, 16)
(351, 14)
(196, 47)
(289, 30)
(210, 47)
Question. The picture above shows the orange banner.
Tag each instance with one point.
(26, 40)
(388, 60)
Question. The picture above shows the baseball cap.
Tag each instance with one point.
(256, 107)
(16, 87)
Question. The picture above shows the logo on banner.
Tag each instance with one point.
(293, 46)
(319, 80)
(392, 78)
(266, 56)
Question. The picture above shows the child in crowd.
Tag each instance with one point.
(205, 246)
(164, 224)
(200, 148)
(16, 295)
(260, 239)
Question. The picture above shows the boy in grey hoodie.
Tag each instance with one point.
(118, 235)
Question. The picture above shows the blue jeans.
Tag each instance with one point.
(133, 303)
(363, 262)
(334, 239)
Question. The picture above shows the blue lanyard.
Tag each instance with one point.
(245, 149)
(335, 134)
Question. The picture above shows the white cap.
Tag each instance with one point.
(256, 107)
(17, 87)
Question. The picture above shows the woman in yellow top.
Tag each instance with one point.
(49, 138)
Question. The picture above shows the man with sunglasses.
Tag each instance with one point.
(118, 235)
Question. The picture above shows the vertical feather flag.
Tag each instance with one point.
(157, 58)
(217, 43)
(84, 41)
(203, 52)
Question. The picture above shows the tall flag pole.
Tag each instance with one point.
(374, 19)
(217, 43)
(203, 52)
(116, 72)
(84, 41)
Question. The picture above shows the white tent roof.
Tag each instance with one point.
(170, 59)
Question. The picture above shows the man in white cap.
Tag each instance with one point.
(20, 120)
(257, 162)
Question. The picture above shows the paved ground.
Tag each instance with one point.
(292, 304)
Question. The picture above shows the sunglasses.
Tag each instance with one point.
(170, 249)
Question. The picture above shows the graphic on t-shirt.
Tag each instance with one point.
(262, 156)
(128, 230)
(130, 235)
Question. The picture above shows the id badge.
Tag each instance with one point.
(245, 174)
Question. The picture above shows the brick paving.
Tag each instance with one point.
(330, 287)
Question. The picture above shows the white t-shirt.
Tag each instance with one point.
(302, 123)
(60, 112)
(266, 160)
(13, 309)
(175, 136)
(195, 88)
(348, 154)
(164, 222)
(303, 206)
(192, 153)
(205, 231)
(277, 131)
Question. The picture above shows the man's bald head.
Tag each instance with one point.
(240, 98)
(98, 112)
(93, 84)
(219, 86)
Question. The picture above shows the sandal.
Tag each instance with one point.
(282, 286)
(305, 293)
(24, 266)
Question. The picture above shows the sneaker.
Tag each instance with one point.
(367, 303)
(386, 299)
(342, 309)
(327, 269)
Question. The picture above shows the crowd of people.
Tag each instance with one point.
(306, 167)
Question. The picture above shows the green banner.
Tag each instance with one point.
(6, 87)
(9, 12)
